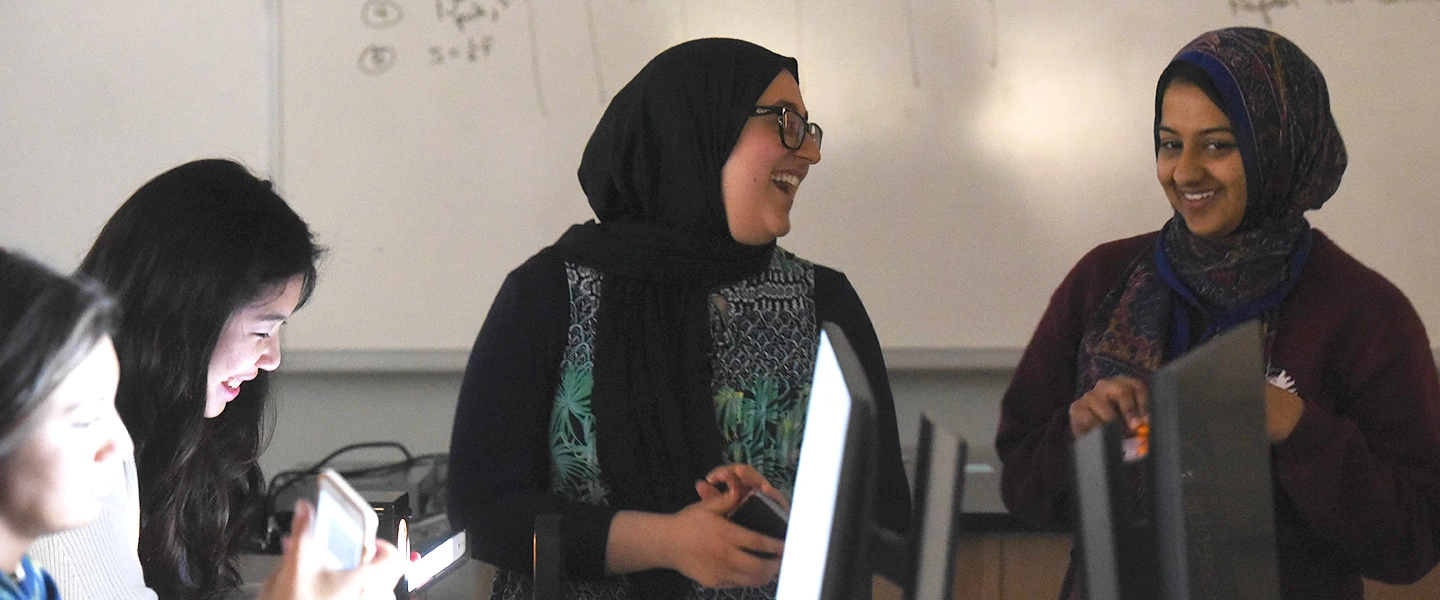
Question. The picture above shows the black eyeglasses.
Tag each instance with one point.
(793, 126)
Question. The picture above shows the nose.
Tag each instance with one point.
(809, 150)
(117, 439)
(1189, 168)
(270, 355)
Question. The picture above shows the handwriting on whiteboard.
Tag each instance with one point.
(1264, 7)
(456, 32)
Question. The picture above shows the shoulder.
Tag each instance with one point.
(831, 285)
(1097, 271)
(1115, 255)
(538, 267)
(539, 277)
(1349, 283)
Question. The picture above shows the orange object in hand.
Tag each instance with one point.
(1136, 445)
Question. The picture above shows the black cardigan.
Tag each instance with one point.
(499, 470)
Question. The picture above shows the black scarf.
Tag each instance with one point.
(652, 173)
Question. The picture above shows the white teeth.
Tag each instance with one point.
(787, 178)
(1199, 196)
(232, 383)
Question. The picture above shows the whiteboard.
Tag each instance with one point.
(975, 149)
(97, 98)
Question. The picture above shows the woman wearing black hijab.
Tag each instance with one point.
(642, 352)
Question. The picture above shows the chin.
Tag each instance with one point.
(781, 229)
(75, 517)
(211, 410)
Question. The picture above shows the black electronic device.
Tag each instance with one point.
(762, 514)
(1210, 467)
(827, 554)
(1118, 555)
(935, 522)
(1194, 519)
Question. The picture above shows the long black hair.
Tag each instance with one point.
(48, 324)
(186, 251)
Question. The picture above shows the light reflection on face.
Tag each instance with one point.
(249, 343)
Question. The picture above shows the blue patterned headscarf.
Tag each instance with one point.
(1279, 108)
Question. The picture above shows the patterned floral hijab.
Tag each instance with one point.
(1279, 108)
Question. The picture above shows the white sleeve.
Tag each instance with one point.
(99, 560)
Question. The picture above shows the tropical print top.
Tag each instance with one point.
(764, 331)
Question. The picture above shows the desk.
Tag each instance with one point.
(470, 581)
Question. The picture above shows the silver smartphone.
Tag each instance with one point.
(344, 522)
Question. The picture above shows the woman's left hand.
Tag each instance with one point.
(1282, 412)
(739, 480)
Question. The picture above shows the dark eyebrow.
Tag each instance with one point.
(1202, 131)
(791, 105)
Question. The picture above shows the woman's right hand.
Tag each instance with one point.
(716, 552)
(698, 541)
(302, 577)
(1110, 399)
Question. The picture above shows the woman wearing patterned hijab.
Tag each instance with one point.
(1245, 144)
(661, 346)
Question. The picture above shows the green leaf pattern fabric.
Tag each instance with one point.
(765, 337)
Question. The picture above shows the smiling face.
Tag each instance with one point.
(1199, 162)
(57, 478)
(761, 176)
(249, 342)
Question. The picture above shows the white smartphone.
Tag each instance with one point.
(344, 522)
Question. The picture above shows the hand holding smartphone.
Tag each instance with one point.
(344, 522)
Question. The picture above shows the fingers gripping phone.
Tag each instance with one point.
(344, 522)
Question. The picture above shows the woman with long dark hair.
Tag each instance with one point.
(62, 441)
(206, 262)
(188, 257)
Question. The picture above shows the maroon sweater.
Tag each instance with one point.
(1357, 483)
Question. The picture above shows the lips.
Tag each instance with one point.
(1198, 200)
(231, 386)
(787, 182)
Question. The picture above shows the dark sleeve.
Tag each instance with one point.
(1365, 476)
(499, 472)
(837, 302)
(1033, 440)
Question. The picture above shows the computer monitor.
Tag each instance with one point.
(1210, 464)
(1194, 518)
(1116, 537)
(935, 525)
(826, 555)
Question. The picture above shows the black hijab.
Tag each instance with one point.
(652, 173)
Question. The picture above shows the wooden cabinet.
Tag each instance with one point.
(1031, 566)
